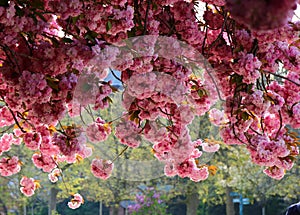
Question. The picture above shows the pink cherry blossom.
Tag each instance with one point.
(29, 185)
(259, 14)
(217, 117)
(175, 64)
(32, 140)
(53, 176)
(45, 162)
(102, 168)
(98, 131)
(275, 172)
(128, 133)
(210, 147)
(247, 66)
(200, 174)
(9, 166)
(76, 201)
(6, 117)
(6, 142)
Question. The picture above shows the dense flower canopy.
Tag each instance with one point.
(175, 62)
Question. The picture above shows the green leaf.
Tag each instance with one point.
(131, 33)
(236, 79)
(194, 87)
(134, 115)
(19, 11)
(41, 16)
(67, 40)
(74, 19)
(37, 4)
(91, 35)
(108, 25)
(201, 92)
(245, 116)
(4, 3)
(53, 83)
(114, 89)
(108, 99)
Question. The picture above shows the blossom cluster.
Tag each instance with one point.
(174, 65)
(28, 186)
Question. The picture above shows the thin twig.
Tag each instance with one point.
(91, 113)
(254, 131)
(16, 121)
(120, 154)
(205, 38)
(4, 131)
(280, 76)
(14, 57)
(262, 125)
(164, 112)
(146, 16)
(235, 135)
(221, 33)
(115, 76)
(263, 82)
(280, 127)
(62, 176)
(81, 115)
(213, 80)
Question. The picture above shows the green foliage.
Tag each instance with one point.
(54, 213)
(88, 208)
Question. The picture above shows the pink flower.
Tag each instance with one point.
(275, 172)
(248, 66)
(199, 174)
(102, 168)
(76, 201)
(186, 168)
(34, 88)
(153, 132)
(215, 2)
(262, 15)
(6, 117)
(98, 131)
(217, 117)
(9, 166)
(170, 169)
(53, 176)
(5, 143)
(29, 185)
(44, 162)
(210, 147)
(32, 140)
(128, 133)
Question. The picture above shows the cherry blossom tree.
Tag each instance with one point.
(175, 62)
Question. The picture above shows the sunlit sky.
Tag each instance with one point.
(201, 9)
(297, 14)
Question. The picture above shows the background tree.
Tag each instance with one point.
(175, 64)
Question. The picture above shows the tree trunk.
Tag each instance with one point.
(24, 209)
(4, 207)
(192, 203)
(114, 211)
(100, 208)
(229, 202)
(52, 200)
(263, 210)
